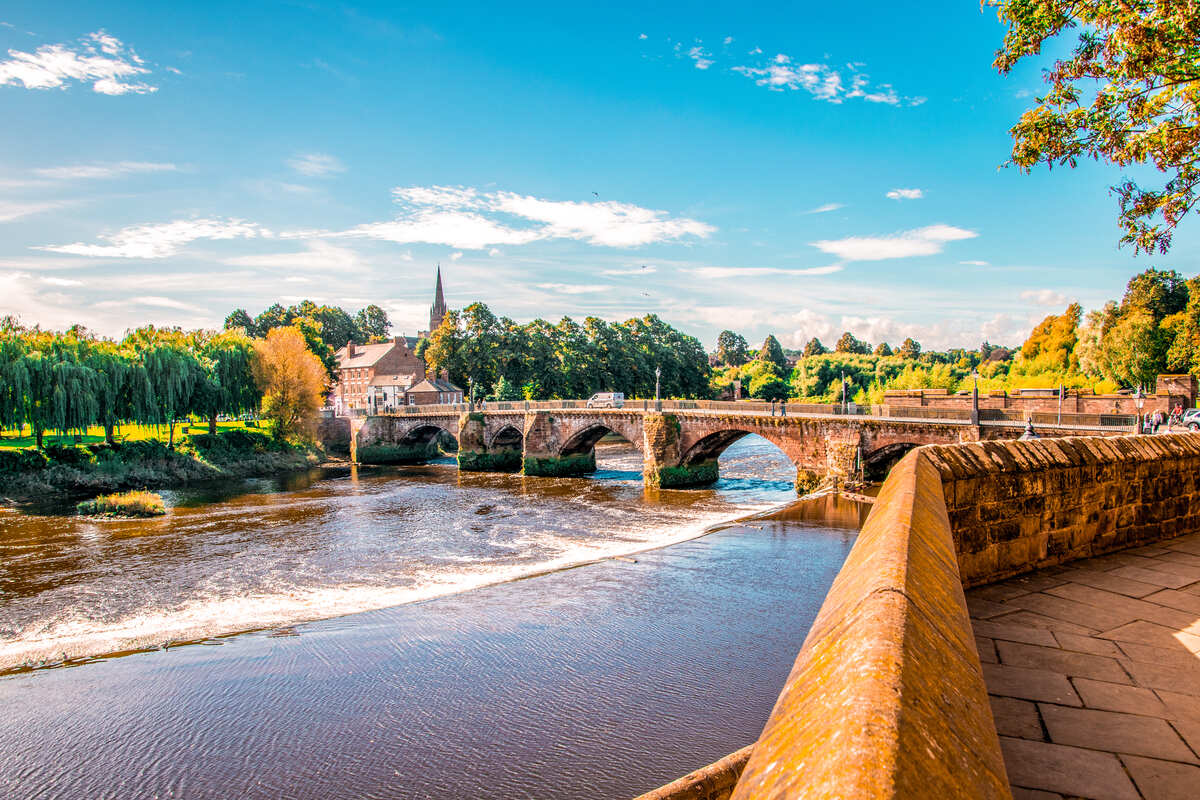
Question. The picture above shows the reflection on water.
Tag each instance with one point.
(270, 552)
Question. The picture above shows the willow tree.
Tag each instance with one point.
(14, 382)
(37, 402)
(1128, 94)
(73, 402)
(226, 383)
(171, 370)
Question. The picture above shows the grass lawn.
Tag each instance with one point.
(12, 439)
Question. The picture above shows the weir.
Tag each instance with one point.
(680, 445)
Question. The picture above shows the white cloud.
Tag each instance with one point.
(316, 165)
(822, 81)
(455, 256)
(1045, 297)
(318, 255)
(61, 282)
(728, 40)
(642, 36)
(712, 273)
(159, 240)
(906, 194)
(925, 241)
(99, 59)
(974, 263)
(570, 288)
(800, 326)
(469, 219)
(644, 269)
(825, 208)
(703, 59)
(152, 301)
(91, 171)
(495, 251)
(11, 211)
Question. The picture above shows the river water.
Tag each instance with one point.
(430, 671)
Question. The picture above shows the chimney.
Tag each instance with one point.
(398, 341)
(350, 349)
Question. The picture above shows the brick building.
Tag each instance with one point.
(386, 375)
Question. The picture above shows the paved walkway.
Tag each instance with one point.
(1093, 671)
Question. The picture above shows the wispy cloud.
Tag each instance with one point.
(703, 59)
(470, 219)
(159, 240)
(825, 208)
(1045, 297)
(318, 255)
(571, 288)
(98, 58)
(96, 171)
(152, 301)
(906, 194)
(644, 269)
(925, 241)
(712, 273)
(824, 82)
(974, 263)
(11, 211)
(316, 165)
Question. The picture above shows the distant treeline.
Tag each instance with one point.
(326, 329)
(540, 360)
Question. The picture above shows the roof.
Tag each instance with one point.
(393, 380)
(434, 385)
(365, 355)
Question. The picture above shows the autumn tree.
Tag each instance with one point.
(292, 381)
(1051, 344)
(1127, 94)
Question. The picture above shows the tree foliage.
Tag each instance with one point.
(732, 349)
(848, 343)
(292, 382)
(772, 353)
(1128, 94)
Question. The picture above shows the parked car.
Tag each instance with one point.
(1191, 419)
(606, 400)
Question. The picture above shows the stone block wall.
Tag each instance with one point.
(1017, 506)
(334, 434)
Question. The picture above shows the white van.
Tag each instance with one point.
(606, 400)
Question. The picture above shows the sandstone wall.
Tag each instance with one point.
(1017, 506)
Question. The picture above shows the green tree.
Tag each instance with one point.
(814, 348)
(772, 353)
(503, 390)
(238, 318)
(372, 324)
(732, 349)
(1125, 95)
(883, 349)
(769, 386)
(848, 343)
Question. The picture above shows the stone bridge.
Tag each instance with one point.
(680, 447)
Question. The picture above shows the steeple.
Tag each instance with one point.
(437, 311)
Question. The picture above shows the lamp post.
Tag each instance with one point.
(1061, 391)
(1139, 400)
(657, 380)
(974, 396)
(471, 397)
(844, 408)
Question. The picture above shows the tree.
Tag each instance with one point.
(910, 349)
(1051, 345)
(883, 349)
(292, 381)
(1159, 293)
(172, 370)
(769, 386)
(814, 348)
(849, 344)
(503, 390)
(238, 318)
(226, 384)
(732, 349)
(1126, 95)
(772, 353)
(372, 323)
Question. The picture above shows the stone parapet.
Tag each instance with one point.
(713, 782)
(886, 699)
(1017, 506)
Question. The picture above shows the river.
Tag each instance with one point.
(363, 633)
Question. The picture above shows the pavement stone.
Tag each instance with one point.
(1163, 780)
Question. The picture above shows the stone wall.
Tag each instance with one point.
(886, 698)
(1168, 391)
(713, 782)
(334, 434)
(1017, 506)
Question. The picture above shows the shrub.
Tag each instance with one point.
(124, 504)
(15, 462)
(68, 455)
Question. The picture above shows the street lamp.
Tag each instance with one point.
(657, 380)
(471, 398)
(1139, 400)
(844, 407)
(974, 396)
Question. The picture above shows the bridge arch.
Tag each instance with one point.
(389, 440)
(508, 437)
(879, 462)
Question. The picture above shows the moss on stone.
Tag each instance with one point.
(398, 453)
(684, 475)
(495, 461)
(561, 466)
(807, 481)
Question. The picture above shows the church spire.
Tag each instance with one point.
(437, 311)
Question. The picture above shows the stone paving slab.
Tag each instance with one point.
(1093, 673)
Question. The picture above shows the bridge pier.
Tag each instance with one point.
(545, 455)
(474, 455)
(664, 464)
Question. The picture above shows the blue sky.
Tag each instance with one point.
(790, 169)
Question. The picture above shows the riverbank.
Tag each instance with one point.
(596, 682)
(90, 469)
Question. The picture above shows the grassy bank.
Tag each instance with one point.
(123, 504)
(26, 473)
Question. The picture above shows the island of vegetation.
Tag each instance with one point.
(123, 504)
